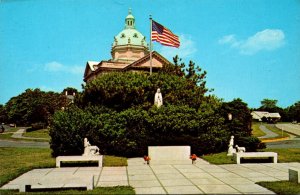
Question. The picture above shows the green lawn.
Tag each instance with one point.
(281, 187)
(13, 129)
(42, 133)
(219, 158)
(7, 136)
(113, 161)
(8, 133)
(256, 132)
(102, 190)
(286, 154)
(16, 161)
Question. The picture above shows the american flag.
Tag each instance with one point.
(163, 35)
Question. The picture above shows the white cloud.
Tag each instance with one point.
(268, 39)
(227, 39)
(58, 67)
(187, 48)
(54, 67)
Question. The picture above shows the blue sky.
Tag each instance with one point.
(250, 49)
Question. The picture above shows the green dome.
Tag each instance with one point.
(130, 35)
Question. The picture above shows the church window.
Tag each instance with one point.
(122, 35)
(135, 35)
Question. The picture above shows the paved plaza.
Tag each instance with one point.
(200, 178)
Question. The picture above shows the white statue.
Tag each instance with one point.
(231, 150)
(90, 150)
(240, 149)
(158, 100)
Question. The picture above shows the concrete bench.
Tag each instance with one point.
(60, 159)
(169, 154)
(294, 175)
(237, 156)
(71, 183)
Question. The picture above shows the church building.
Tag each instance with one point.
(129, 52)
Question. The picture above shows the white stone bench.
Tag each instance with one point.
(169, 154)
(294, 175)
(98, 158)
(237, 156)
(71, 183)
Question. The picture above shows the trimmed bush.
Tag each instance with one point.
(252, 144)
(130, 132)
(121, 91)
(69, 128)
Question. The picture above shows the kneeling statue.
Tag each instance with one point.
(90, 150)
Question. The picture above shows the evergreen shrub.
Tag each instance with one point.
(116, 113)
(252, 144)
(130, 132)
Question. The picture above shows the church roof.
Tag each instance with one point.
(155, 55)
(141, 64)
(92, 64)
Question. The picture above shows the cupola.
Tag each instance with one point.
(129, 45)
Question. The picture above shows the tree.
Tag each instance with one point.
(3, 114)
(293, 112)
(268, 105)
(192, 72)
(124, 90)
(176, 68)
(33, 106)
(240, 123)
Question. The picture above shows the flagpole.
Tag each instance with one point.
(150, 45)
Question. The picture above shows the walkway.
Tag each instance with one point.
(200, 178)
(23, 144)
(269, 133)
(19, 135)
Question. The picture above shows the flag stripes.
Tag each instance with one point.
(163, 35)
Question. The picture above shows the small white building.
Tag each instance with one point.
(271, 117)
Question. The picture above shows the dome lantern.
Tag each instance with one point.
(129, 20)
